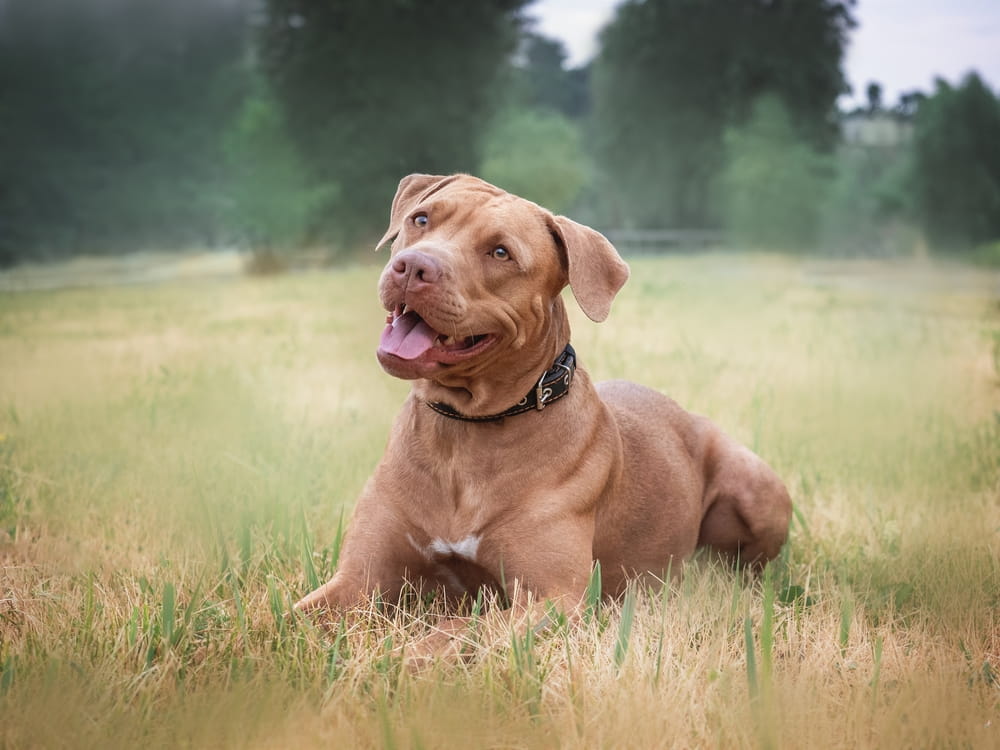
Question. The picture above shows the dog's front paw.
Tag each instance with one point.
(448, 642)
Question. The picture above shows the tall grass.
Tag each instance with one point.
(178, 464)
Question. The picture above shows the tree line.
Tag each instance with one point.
(281, 124)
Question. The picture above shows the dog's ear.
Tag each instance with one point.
(596, 271)
(412, 189)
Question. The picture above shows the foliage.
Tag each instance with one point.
(272, 202)
(873, 93)
(536, 154)
(542, 80)
(774, 183)
(673, 75)
(869, 202)
(956, 162)
(374, 90)
(133, 124)
(533, 145)
(988, 254)
(869, 208)
(111, 117)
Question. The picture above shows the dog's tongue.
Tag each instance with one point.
(407, 337)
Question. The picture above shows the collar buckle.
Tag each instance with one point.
(543, 392)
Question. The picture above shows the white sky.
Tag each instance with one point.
(902, 44)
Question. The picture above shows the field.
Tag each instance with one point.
(177, 461)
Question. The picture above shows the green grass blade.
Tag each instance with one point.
(592, 597)
(241, 615)
(277, 605)
(338, 541)
(167, 614)
(625, 628)
(6, 675)
(767, 628)
(385, 725)
(801, 520)
(846, 615)
(312, 578)
(752, 679)
(194, 604)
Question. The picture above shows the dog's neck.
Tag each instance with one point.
(507, 378)
(553, 385)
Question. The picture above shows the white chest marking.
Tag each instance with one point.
(466, 547)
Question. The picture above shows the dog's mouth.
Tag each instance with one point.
(408, 336)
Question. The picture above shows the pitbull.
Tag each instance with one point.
(508, 469)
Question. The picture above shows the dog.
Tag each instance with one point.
(507, 469)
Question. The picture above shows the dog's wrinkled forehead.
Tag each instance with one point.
(484, 212)
(464, 205)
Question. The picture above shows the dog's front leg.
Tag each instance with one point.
(544, 582)
(452, 637)
(337, 594)
(372, 561)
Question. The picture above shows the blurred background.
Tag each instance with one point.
(279, 128)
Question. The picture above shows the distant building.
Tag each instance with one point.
(878, 129)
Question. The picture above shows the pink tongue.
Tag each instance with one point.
(408, 336)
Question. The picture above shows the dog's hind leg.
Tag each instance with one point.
(747, 508)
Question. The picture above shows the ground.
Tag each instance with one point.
(178, 458)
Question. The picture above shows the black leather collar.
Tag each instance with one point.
(552, 386)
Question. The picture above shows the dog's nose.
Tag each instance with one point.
(414, 267)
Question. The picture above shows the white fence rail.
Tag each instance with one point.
(634, 241)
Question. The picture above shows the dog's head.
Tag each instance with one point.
(475, 277)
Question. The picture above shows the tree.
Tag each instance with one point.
(673, 75)
(868, 201)
(909, 103)
(110, 122)
(873, 92)
(542, 80)
(956, 163)
(533, 146)
(372, 91)
(271, 200)
(538, 155)
(774, 182)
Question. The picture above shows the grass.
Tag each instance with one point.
(178, 463)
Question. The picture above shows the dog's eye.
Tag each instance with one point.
(500, 253)
(420, 220)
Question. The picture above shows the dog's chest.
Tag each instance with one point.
(454, 564)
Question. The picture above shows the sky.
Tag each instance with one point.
(901, 44)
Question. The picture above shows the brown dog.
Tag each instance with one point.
(483, 486)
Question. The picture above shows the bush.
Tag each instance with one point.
(957, 165)
(537, 155)
(988, 255)
(272, 202)
(774, 183)
(868, 202)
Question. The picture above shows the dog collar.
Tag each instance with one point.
(552, 386)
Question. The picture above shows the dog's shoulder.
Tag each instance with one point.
(645, 414)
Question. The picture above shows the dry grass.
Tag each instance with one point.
(175, 460)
